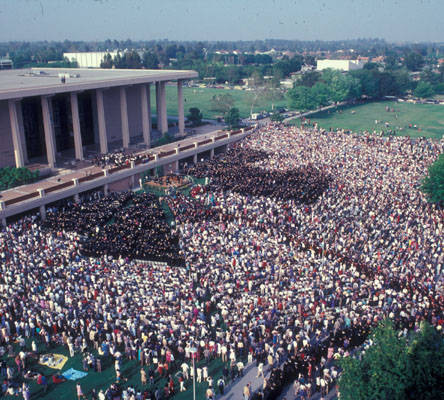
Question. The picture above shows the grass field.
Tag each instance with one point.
(94, 380)
(429, 118)
(201, 98)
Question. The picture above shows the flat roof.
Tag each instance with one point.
(18, 83)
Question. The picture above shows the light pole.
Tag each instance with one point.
(193, 352)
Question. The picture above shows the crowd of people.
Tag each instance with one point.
(117, 159)
(287, 277)
(122, 225)
(243, 171)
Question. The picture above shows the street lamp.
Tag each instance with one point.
(193, 351)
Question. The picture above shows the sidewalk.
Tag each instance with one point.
(235, 390)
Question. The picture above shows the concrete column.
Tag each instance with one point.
(163, 108)
(17, 134)
(158, 108)
(76, 196)
(140, 184)
(145, 101)
(195, 159)
(124, 117)
(102, 122)
(78, 145)
(22, 130)
(176, 166)
(4, 221)
(2, 205)
(211, 154)
(42, 207)
(49, 131)
(180, 112)
(42, 212)
(106, 189)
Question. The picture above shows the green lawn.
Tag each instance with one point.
(130, 371)
(429, 118)
(201, 98)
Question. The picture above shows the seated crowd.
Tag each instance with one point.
(116, 159)
(302, 242)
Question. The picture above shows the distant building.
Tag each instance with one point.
(89, 59)
(341, 65)
(6, 63)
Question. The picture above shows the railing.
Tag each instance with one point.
(59, 187)
(166, 153)
(203, 142)
(221, 137)
(91, 177)
(184, 148)
(119, 168)
(21, 198)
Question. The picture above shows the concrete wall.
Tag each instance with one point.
(122, 185)
(6, 145)
(134, 111)
(111, 99)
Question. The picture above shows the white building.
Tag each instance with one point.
(341, 65)
(89, 59)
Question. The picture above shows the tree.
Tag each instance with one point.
(433, 184)
(414, 61)
(11, 177)
(394, 367)
(383, 371)
(302, 98)
(276, 117)
(195, 116)
(150, 60)
(309, 78)
(423, 90)
(342, 87)
(222, 102)
(321, 93)
(107, 61)
(426, 354)
(232, 118)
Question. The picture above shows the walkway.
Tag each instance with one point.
(235, 390)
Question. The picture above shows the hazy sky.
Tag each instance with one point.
(393, 20)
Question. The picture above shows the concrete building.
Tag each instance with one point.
(341, 65)
(91, 59)
(47, 113)
(6, 63)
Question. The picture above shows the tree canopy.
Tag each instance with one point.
(433, 183)
(232, 118)
(195, 116)
(396, 367)
(423, 90)
(11, 177)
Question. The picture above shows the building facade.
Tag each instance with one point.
(45, 113)
(341, 65)
(91, 59)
